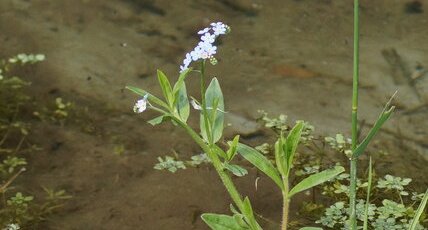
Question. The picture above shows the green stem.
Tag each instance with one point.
(203, 84)
(285, 206)
(225, 178)
(353, 163)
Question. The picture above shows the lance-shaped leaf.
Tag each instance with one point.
(180, 81)
(151, 97)
(220, 222)
(384, 116)
(249, 214)
(235, 169)
(291, 144)
(166, 88)
(215, 112)
(217, 150)
(316, 179)
(158, 120)
(261, 162)
(231, 152)
(280, 159)
(182, 103)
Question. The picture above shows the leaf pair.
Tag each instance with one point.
(239, 221)
(285, 150)
(176, 97)
(223, 222)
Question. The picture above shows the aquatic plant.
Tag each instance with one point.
(175, 107)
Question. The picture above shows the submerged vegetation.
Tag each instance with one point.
(19, 209)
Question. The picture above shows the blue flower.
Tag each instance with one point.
(205, 48)
(141, 104)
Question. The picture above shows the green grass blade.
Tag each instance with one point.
(419, 212)
(384, 116)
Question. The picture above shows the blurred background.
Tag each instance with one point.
(290, 57)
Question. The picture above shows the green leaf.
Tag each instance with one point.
(310, 228)
(384, 116)
(316, 179)
(234, 210)
(151, 97)
(157, 120)
(137, 90)
(231, 152)
(180, 80)
(217, 150)
(183, 106)
(261, 162)
(166, 87)
(220, 222)
(215, 109)
(235, 169)
(419, 212)
(248, 210)
(292, 142)
(239, 218)
(280, 159)
(249, 214)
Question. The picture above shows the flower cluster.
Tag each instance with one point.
(206, 48)
(141, 104)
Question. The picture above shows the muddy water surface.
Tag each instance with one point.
(291, 57)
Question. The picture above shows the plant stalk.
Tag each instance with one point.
(227, 181)
(353, 163)
(285, 206)
(225, 178)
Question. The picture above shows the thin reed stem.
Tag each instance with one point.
(353, 163)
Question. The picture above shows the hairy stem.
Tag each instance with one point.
(353, 163)
(225, 178)
(285, 206)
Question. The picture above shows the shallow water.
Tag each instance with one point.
(291, 57)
